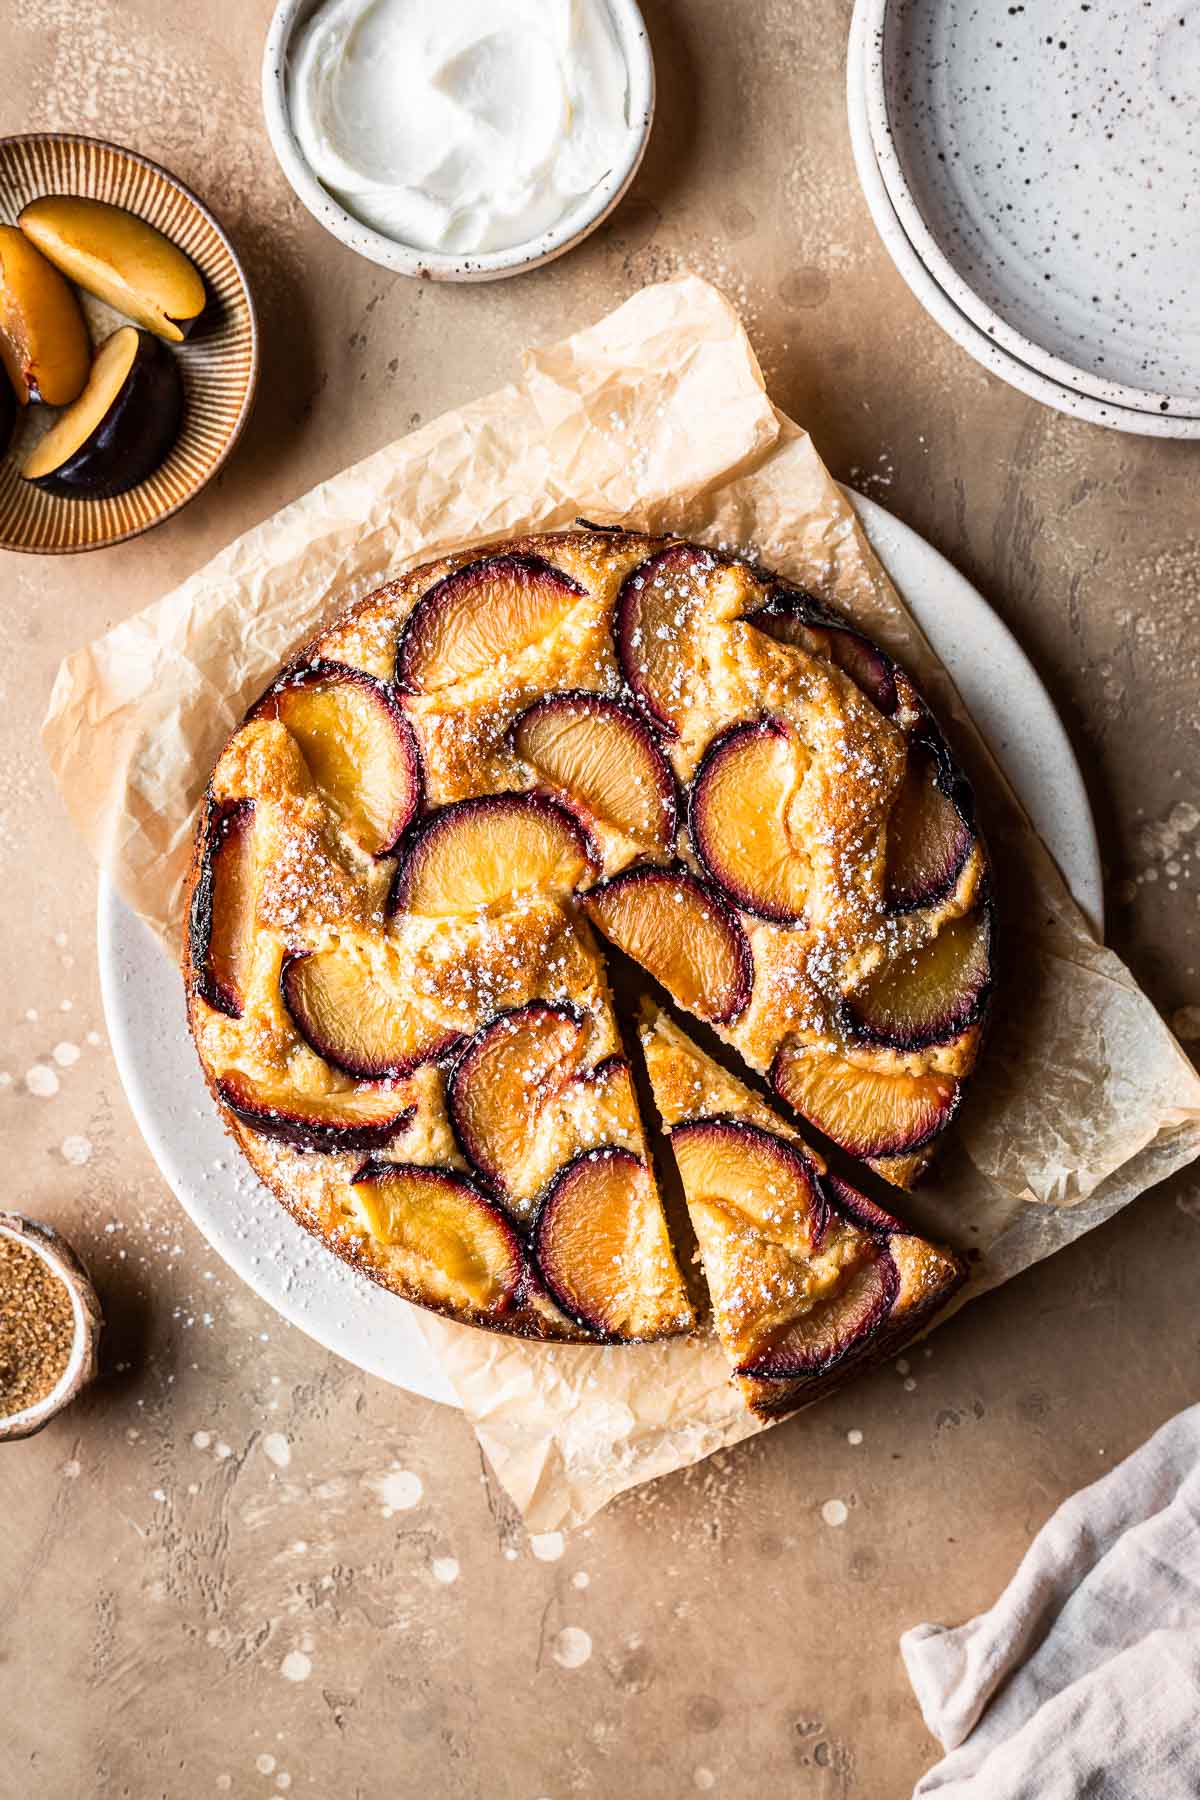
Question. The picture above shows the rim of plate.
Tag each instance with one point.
(442, 265)
(1076, 380)
(247, 296)
(937, 303)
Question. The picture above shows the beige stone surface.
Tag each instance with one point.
(213, 1577)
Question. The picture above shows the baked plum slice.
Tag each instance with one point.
(221, 922)
(929, 837)
(358, 1119)
(479, 616)
(449, 1242)
(767, 1179)
(868, 1112)
(857, 1208)
(358, 745)
(654, 624)
(793, 616)
(511, 1070)
(602, 1246)
(682, 933)
(495, 847)
(928, 995)
(352, 1006)
(601, 755)
(836, 1327)
(738, 814)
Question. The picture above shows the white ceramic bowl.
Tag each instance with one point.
(1042, 181)
(970, 337)
(437, 265)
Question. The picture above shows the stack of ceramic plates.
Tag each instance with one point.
(1034, 174)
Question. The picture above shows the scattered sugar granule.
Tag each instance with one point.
(296, 1666)
(277, 1448)
(66, 1054)
(201, 1440)
(547, 1546)
(77, 1150)
(41, 1081)
(581, 1579)
(854, 1437)
(835, 1512)
(445, 1569)
(399, 1490)
(704, 1778)
(265, 1764)
(572, 1647)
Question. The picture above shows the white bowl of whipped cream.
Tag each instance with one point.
(459, 140)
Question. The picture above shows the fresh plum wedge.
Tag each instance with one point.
(929, 995)
(511, 1070)
(683, 933)
(453, 1246)
(358, 745)
(221, 926)
(792, 616)
(928, 839)
(480, 615)
(602, 1247)
(738, 819)
(601, 755)
(865, 1111)
(767, 1179)
(358, 1119)
(352, 1006)
(836, 1328)
(654, 624)
(493, 848)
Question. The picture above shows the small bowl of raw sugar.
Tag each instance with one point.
(458, 140)
(50, 1324)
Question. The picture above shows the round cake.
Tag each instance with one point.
(417, 846)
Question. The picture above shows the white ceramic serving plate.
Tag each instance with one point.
(970, 337)
(245, 1224)
(436, 265)
(1041, 161)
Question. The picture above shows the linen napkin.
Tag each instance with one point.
(1084, 1678)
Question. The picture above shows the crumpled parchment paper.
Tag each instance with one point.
(656, 417)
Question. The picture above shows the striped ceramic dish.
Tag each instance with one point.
(219, 362)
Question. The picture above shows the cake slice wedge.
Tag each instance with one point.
(808, 1278)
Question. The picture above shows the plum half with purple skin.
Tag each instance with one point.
(867, 1112)
(602, 1246)
(479, 616)
(510, 1071)
(794, 616)
(221, 920)
(930, 995)
(737, 819)
(655, 621)
(683, 933)
(358, 746)
(358, 1119)
(601, 755)
(449, 1244)
(354, 1007)
(120, 428)
(929, 835)
(493, 848)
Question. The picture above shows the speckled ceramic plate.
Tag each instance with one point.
(1040, 162)
(245, 1224)
(219, 361)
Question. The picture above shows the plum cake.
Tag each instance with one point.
(413, 845)
(808, 1278)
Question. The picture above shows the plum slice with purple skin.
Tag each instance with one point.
(601, 755)
(868, 1112)
(495, 847)
(683, 933)
(352, 1005)
(654, 624)
(356, 1119)
(358, 746)
(480, 615)
(792, 616)
(603, 1249)
(737, 819)
(511, 1070)
(928, 838)
(448, 1242)
(739, 1166)
(859, 1209)
(928, 995)
(221, 923)
(835, 1328)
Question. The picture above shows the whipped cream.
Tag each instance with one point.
(460, 125)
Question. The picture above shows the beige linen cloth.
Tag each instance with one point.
(1084, 1678)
